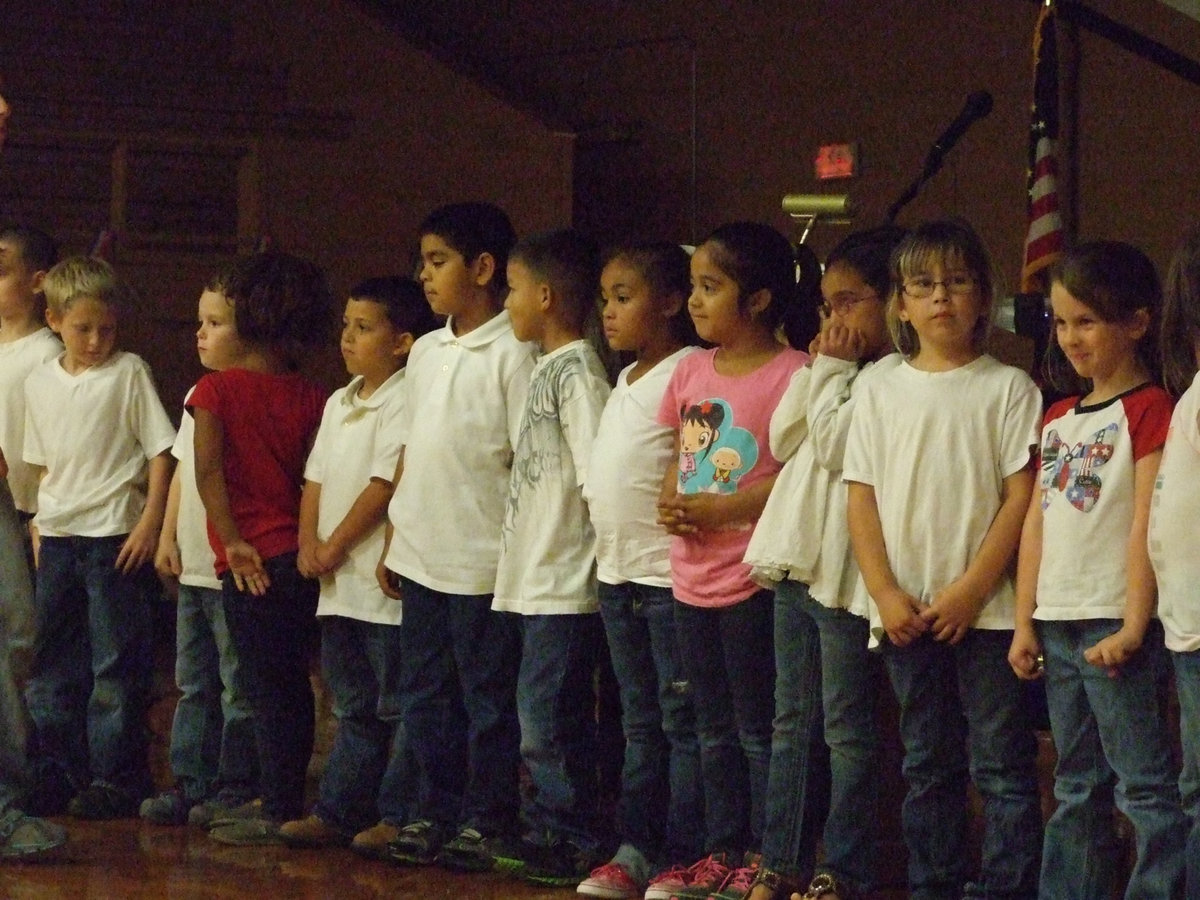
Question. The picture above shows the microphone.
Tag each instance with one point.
(978, 105)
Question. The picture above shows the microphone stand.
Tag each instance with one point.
(933, 165)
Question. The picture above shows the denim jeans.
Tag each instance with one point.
(556, 706)
(460, 656)
(961, 710)
(212, 735)
(1187, 682)
(1104, 727)
(849, 676)
(729, 658)
(368, 777)
(89, 690)
(16, 635)
(273, 637)
(798, 782)
(662, 754)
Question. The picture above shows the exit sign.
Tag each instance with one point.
(836, 161)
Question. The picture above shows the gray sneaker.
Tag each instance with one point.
(22, 835)
(216, 813)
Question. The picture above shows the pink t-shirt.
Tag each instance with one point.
(722, 422)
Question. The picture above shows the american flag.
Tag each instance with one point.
(1045, 238)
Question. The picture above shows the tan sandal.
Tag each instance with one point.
(825, 887)
(781, 886)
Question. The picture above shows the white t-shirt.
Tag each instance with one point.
(547, 546)
(629, 456)
(196, 557)
(462, 412)
(17, 360)
(1086, 489)
(802, 534)
(93, 432)
(355, 437)
(1174, 550)
(936, 447)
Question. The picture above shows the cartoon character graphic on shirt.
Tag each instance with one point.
(1071, 470)
(699, 428)
(713, 452)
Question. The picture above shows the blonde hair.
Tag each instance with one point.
(81, 276)
(951, 242)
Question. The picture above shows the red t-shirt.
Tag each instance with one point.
(269, 422)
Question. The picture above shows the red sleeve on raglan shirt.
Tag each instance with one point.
(1056, 411)
(1148, 412)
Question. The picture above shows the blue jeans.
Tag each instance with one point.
(556, 706)
(1105, 726)
(368, 777)
(212, 735)
(729, 659)
(961, 710)
(849, 676)
(16, 634)
(89, 690)
(1187, 682)
(662, 753)
(273, 637)
(798, 781)
(460, 677)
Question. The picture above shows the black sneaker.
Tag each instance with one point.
(419, 843)
(561, 864)
(99, 802)
(471, 851)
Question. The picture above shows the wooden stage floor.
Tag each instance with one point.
(133, 860)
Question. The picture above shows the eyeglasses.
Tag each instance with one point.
(843, 303)
(922, 287)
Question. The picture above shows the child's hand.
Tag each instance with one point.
(841, 342)
(1115, 650)
(1024, 655)
(951, 613)
(166, 559)
(247, 568)
(689, 513)
(328, 557)
(900, 613)
(389, 581)
(306, 560)
(138, 549)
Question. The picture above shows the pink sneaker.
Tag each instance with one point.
(738, 883)
(611, 881)
(696, 882)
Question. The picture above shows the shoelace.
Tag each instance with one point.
(709, 870)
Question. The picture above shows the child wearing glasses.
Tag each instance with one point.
(944, 444)
(801, 549)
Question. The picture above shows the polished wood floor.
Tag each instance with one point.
(131, 860)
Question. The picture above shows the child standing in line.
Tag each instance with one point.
(719, 403)
(464, 389)
(1172, 535)
(255, 422)
(547, 569)
(95, 426)
(364, 795)
(1095, 623)
(944, 442)
(824, 669)
(213, 755)
(644, 289)
(25, 342)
